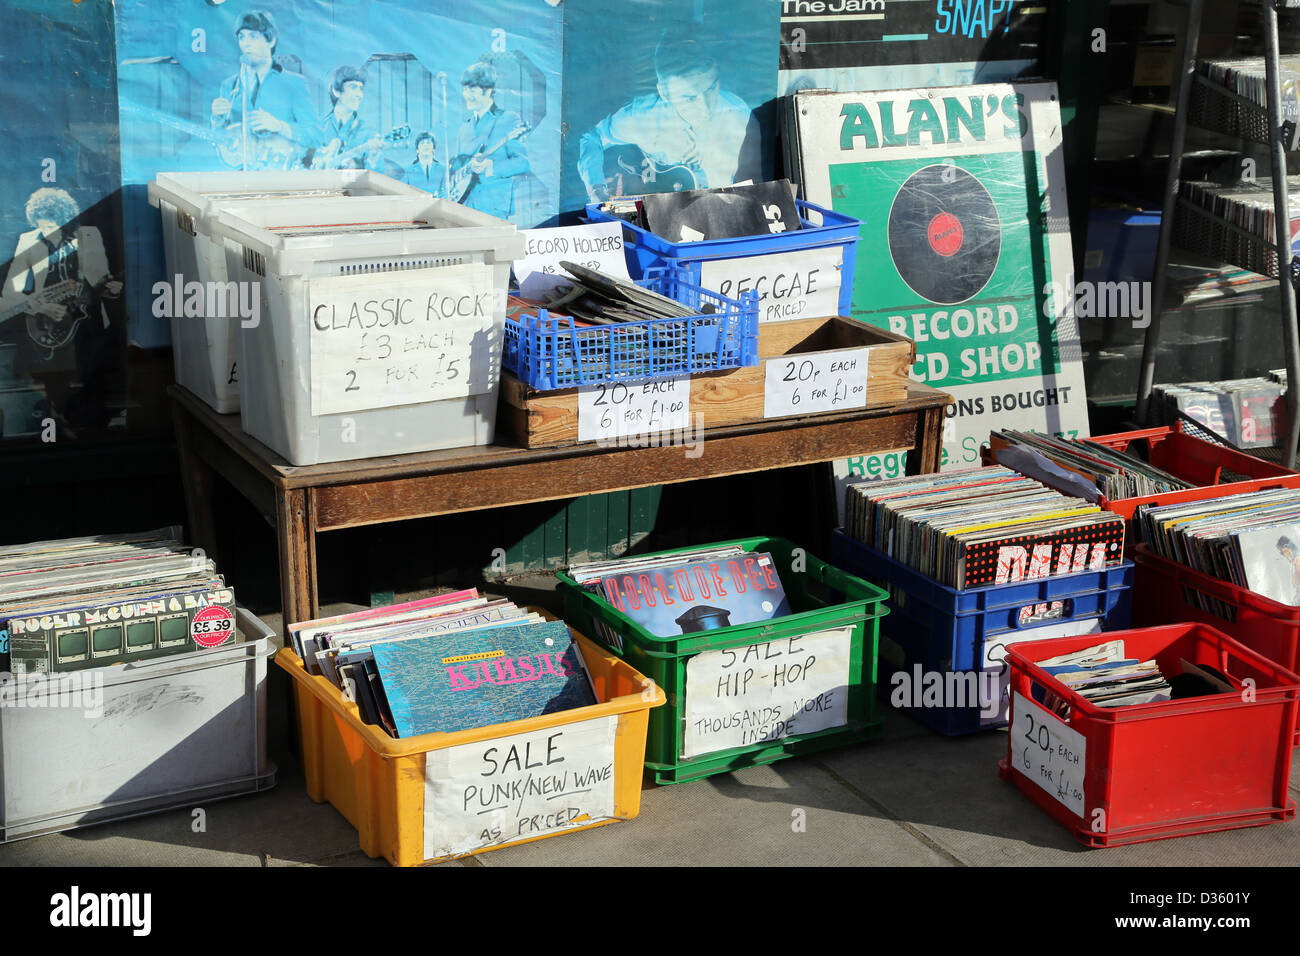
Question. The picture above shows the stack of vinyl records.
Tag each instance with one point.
(689, 591)
(1250, 540)
(1104, 470)
(1246, 205)
(89, 602)
(1104, 676)
(981, 526)
(597, 298)
(1197, 279)
(446, 663)
(1248, 412)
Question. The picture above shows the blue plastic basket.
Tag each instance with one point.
(944, 630)
(650, 251)
(548, 352)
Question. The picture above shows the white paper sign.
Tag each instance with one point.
(597, 245)
(816, 382)
(617, 410)
(791, 285)
(747, 695)
(398, 338)
(995, 665)
(510, 788)
(1048, 752)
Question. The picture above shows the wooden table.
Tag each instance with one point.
(308, 499)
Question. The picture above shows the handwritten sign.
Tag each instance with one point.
(524, 785)
(792, 285)
(597, 245)
(1048, 752)
(815, 382)
(761, 692)
(617, 410)
(399, 338)
(995, 654)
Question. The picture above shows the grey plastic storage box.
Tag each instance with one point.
(282, 248)
(174, 732)
(205, 348)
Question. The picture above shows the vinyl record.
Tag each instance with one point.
(944, 234)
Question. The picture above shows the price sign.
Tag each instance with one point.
(399, 338)
(597, 245)
(524, 785)
(1048, 752)
(747, 695)
(816, 382)
(792, 285)
(212, 626)
(995, 663)
(618, 409)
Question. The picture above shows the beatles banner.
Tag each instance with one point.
(432, 94)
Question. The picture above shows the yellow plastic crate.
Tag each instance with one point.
(379, 783)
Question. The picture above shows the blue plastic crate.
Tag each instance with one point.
(650, 251)
(944, 630)
(548, 352)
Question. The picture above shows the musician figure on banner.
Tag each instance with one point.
(270, 107)
(489, 145)
(689, 134)
(57, 284)
(346, 140)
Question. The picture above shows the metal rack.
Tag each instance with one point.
(1279, 135)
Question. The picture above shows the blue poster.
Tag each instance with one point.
(463, 102)
(662, 95)
(62, 327)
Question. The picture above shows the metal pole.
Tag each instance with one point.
(1150, 344)
(1282, 234)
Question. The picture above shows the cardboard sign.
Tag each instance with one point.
(610, 411)
(510, 788)
(1048, 752)
(761, 692)
(597, 245)
(399, 338)
(790, 285)
(815, 382)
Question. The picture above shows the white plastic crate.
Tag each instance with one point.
(171, 732)
(318, 383)
(205, 349)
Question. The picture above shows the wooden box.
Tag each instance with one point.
(549, 419)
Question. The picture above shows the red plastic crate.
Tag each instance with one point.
(1151, 771)
(1196, 460)
(1172, 592)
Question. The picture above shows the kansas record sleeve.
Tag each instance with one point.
(964, 244)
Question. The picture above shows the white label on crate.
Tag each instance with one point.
(1048, 752)
(761, 692)
(790, 285)
(618, 410)
(815, 382)
(596, 245)
(995, 653)
(400, 338)
(525, 785)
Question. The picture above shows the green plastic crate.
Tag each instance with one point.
(824, 598)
